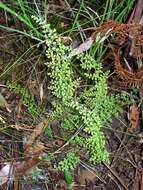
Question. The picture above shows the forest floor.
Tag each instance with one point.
(26, 140)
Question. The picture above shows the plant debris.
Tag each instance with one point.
(133, 116)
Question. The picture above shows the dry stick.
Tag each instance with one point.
(131, 161)
(121, 144)
(135, 178)
(125, 146)
(115, 157)
(116, 175)
(92, 170)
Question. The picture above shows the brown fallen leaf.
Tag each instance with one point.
(85, 176)
(36, 132)
(23, 168)
(133, 116)
(34, 150)
(31, 159)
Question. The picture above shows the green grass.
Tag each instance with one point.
(22, 12)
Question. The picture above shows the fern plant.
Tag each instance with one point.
(92, 106)
(69, 162)
(62, 84)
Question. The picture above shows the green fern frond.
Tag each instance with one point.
(92, 106)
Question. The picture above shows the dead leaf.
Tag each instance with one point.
(36, 132)
(34, 151)
(5, 173)
(85, 176)
(31, 159)
(31, 152)
(23, 168)
(31, 155)
(133, 116)
(82, 47)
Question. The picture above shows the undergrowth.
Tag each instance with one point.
(81, 100)
(27, 99)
